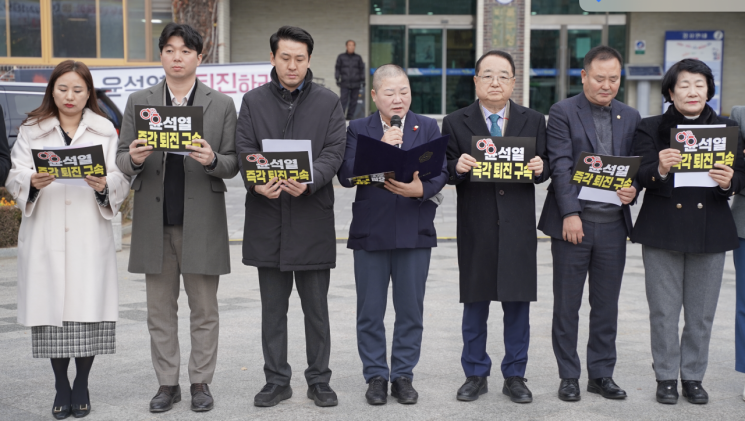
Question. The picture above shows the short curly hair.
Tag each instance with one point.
(689, 65)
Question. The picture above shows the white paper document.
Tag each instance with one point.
(290, 145)
(599, 195)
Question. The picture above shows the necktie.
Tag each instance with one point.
(495, 130)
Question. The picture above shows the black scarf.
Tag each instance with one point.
(672, 118)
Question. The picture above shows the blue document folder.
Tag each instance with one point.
(373, 156)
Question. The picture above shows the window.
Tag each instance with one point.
(24, 18)
(145, 21)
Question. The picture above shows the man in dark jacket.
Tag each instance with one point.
(588, 238)
(289, 227)
(499, 266)
(350, 75)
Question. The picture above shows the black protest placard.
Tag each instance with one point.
(375, 180)
(259, 168)
(71, 163)
(605, 172)
(701, 148)
(502, 159)
(169, 128)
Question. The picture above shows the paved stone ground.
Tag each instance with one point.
(121, 385)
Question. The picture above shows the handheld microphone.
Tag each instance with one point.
(396, 121)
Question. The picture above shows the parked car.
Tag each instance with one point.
(18, 98)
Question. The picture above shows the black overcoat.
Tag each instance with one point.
(293, 233)
(685, 219)
(496, 221)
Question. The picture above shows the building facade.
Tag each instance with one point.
(436, 41)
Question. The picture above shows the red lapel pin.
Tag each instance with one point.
(416, 128)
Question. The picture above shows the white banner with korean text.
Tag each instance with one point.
(234, 79)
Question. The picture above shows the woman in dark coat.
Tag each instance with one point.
(685, 233)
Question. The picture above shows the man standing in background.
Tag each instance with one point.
(350, 75)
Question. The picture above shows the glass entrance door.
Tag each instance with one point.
(440, 63)
(557, 59)
(425, 70)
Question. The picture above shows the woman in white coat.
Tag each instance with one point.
(67, 277)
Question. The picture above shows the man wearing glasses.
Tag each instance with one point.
(496, 229)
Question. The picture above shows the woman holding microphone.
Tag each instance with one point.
(67, 276)
(684, 232)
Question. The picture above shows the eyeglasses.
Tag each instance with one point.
(488, 79)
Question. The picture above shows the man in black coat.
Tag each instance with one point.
(4, 151)
(350, 75)
(496, 229)
(588, 238)
(289, 227)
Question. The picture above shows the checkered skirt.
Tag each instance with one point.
(73, 340)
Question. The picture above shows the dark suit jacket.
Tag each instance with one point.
(571, 131)
(690, 219)
(496, 221)
(4, 151)
(382, 220)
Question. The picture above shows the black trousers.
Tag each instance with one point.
(349, 97)
(312, 287)
(602, 256)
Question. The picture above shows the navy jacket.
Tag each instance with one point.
(382, 220)
(571, 131)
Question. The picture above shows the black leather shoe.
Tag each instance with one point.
(474, 387)
(201, 398)
(61, 412)
(82, 410)
(402, 390)
(694, 392)
(322, 394)
(272, 394)
(569, 390)
(667, 391)
(606, 387)
(377, 391)
(515, 388)
(165, 398)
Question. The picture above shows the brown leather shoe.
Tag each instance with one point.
(201, 398)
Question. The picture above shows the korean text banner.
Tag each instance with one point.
(168, 128)
(502, 159)
(72, 163)
(374, 156)
(260, 168)
(702, 148)
(376, 180)
(605, 172)
(234, 79)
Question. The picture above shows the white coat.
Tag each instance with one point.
(66, 253)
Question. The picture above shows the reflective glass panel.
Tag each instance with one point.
(442, 7)
(112, 29)
(74, 28)
(3, 29)
(544, 47)
(25, 28)
(388, 7)
(136, 30)
(386, 46)
(460, 61)
(425, 70)
(162, 15)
